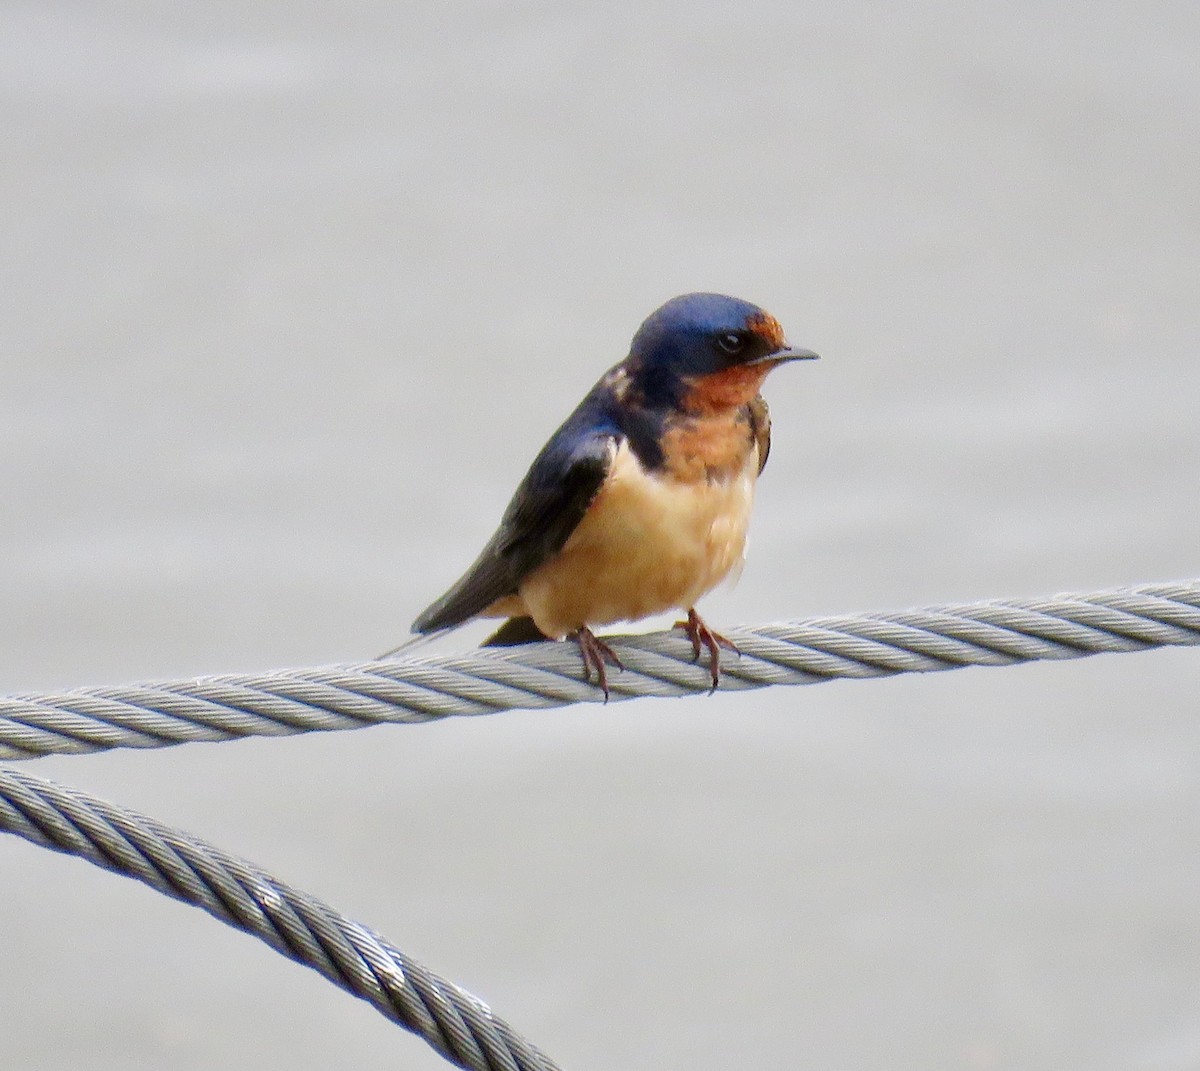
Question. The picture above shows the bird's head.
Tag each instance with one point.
(707, 352)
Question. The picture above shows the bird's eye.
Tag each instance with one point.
(731, 343)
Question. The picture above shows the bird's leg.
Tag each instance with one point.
(597, 655)
(700, 634)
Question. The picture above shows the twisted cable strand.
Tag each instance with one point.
(404, 690)
(456, 1024)
(453, 1022)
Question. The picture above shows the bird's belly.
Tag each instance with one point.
(647, 544)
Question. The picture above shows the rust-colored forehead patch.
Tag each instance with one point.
(767, 328)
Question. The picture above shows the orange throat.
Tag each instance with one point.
(725, 391)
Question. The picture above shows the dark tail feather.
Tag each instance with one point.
(515, 631)
(413, 641)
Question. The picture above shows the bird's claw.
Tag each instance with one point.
(701, 635)
(597, 655)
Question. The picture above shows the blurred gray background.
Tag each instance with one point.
(291, 295)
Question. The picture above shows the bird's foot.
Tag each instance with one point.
(701, 635)
(597, 655)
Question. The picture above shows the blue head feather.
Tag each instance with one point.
(683, 339)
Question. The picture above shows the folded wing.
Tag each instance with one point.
(547, 506)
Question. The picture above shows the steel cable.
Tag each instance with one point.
(458, 1025)
(540, 675)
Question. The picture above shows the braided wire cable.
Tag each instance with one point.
(452, 1021)
(541, 675)
(456, 1024)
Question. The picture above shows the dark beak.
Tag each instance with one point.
(788, 353)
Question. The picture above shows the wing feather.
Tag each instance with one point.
(760, 425)
(546, 508)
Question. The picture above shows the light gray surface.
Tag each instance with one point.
(291, 296)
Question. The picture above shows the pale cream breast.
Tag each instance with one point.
(647, 544)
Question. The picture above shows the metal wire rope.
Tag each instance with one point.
(458, 1025)
(408, 689)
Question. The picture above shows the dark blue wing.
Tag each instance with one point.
(547, 506)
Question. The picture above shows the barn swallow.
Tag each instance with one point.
(640, 502)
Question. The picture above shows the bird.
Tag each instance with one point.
(640, 502)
